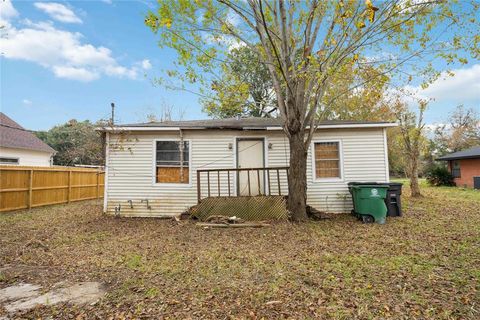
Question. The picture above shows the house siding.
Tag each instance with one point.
(131, 156)
(27, 157)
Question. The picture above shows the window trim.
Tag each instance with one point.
(17, 161)
(340, 154)
(154, 164)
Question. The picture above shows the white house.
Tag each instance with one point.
(147, 173)
(19, 146)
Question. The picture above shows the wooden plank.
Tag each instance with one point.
(268, 183)
(278, 182)
(69, 195)
(228, 178)
(208, 182)
(98, 185)
(199, 191)
(243, 169)
(15, 190)
(258, 182)
(49, 188)
(30, 189)
(249, 188)
(172, 175)
(13, 208)
(232, 225)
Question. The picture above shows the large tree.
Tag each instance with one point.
(306, 46)
(76, 142)
(244, 88)
(461, 131)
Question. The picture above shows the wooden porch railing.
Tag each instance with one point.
(215, 179)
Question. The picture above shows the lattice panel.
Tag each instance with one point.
(248, 208)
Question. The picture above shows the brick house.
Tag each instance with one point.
(465, 167)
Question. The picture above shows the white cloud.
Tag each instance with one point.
(58, 12)
(464, 84)
(461, 88)
(146, 65)
(63, 52)
(7, 11)
(27, 102)
(74, 73)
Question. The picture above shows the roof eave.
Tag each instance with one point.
(325, 126)
(458, 158)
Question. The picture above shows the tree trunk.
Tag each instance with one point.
(414, 187)
(297, 178)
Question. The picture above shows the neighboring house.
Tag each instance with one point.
(19, 146)
(465, 167)
(145, 161)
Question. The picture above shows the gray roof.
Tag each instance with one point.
(464, 154)
(235, 123)
(13, 135)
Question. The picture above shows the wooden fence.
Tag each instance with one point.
(28, 187)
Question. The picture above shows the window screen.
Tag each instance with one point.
(170, 167)
(456, 169)
(327, 160)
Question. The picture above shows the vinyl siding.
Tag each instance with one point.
(131, 157)
(27, 157)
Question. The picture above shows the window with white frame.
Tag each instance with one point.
(7, 160)
(456, 169)
(172, 162)
(327, 160)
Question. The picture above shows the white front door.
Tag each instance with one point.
(250, 154)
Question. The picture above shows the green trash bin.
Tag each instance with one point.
(369, 202)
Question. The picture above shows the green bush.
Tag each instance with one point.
(439, 176)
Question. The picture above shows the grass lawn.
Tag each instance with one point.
(423, 265)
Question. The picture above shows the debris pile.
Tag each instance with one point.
(219, 221)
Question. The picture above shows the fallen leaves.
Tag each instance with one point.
(422, 265)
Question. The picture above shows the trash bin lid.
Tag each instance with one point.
(378, 186)
(397, 184)
(357, 183)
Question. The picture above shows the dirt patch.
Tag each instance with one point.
(25, 296)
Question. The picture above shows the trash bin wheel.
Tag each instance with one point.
(366, 218)
(353, 213)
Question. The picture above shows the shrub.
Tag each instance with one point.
(439, 176)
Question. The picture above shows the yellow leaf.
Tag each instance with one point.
(166, 22)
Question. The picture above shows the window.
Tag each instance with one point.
(456, 169)
(327, 160)
(172, 165)
(4, 160)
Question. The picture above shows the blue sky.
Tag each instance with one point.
(63, 60)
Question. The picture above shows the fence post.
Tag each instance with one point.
(30, 189)
(69, 186)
